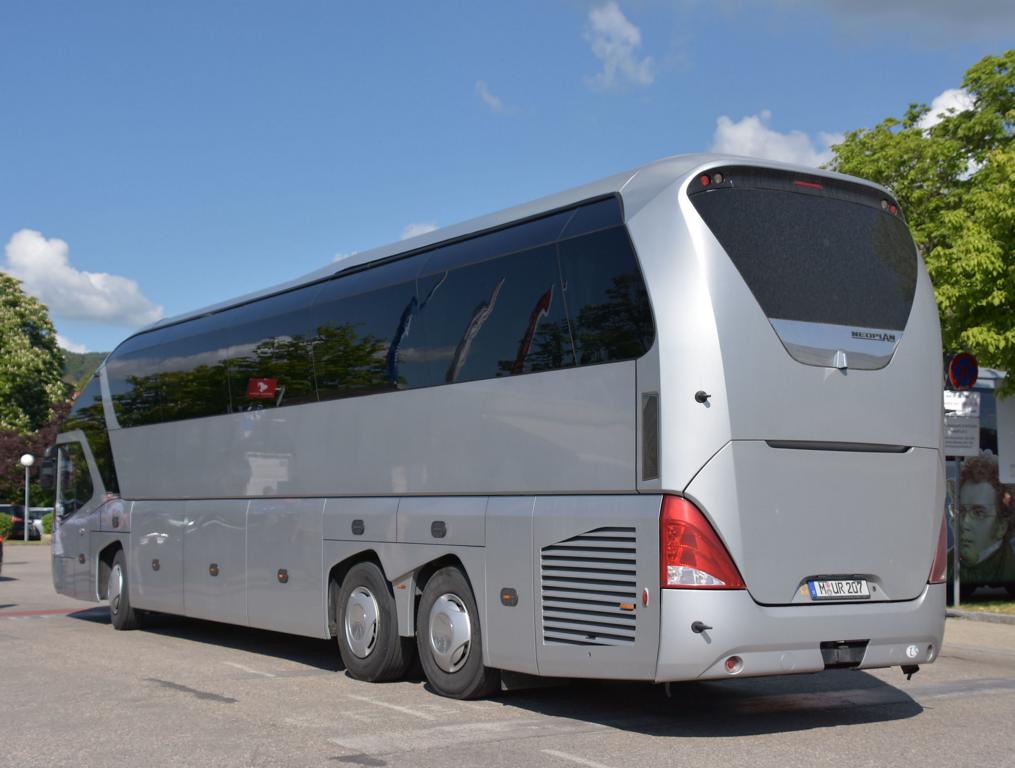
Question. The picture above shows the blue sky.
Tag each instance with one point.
(156, 158)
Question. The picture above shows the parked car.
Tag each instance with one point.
(17, 513)
(35, 515)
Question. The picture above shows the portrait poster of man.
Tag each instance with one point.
(986, 541)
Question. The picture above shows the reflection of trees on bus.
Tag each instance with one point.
(615, 329)
(603, 316)
(88, 416)
(347, 365)
(344, 364)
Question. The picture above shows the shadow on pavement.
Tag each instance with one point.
(746, 707)
(741, 707)
(320, 654)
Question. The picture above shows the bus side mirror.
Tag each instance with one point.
(47, 473)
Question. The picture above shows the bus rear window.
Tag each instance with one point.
(813, 251)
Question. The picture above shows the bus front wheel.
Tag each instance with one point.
(368, 638)
(121, 614)
(449, 638)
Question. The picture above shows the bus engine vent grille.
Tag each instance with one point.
(589, 588)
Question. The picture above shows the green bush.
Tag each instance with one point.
(47, 522)
(6, 523)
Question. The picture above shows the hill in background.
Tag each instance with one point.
(78, 367)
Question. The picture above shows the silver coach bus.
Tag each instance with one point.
(681, 423)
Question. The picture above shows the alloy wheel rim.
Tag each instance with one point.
(450, 632)
(115, 588)
(362, 616)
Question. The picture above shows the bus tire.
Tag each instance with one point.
(450, 640)
(367, 627)
(121, 614)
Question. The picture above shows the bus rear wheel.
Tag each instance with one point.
(121, 614)
(450, 640)
(368, 639)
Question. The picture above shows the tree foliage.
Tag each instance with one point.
(13, 445)
(956, 183)
(31, 362)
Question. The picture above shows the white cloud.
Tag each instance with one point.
(615, 42)
(935, 22)
(343, 256)
(494, 103)
(751, 137)
(64, 343)
(945, 103)
(44, 268)
(414, 230)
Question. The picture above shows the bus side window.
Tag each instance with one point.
(498, 317)
(606, 299)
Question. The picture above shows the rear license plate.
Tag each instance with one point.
(839, 589)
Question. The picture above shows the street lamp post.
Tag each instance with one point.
(26, 461)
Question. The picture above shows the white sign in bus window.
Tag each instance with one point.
(1006, 439)
(962, 423)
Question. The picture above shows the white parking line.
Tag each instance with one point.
(574, 758)
(390, 741)
(248, 669)
(403, 710)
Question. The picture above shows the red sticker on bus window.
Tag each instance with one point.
(262, 389)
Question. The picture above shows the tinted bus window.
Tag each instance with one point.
(88, 416)
(193, 381)
(499, 317)
(498, 243)
(814, 255)
(367, 342)
(607, 303)
(589, 218)
(267, 351)
(134, 384)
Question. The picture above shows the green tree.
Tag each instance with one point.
(956, 183)
(31, 363)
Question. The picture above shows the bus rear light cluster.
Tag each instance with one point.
(691, 555)
(939, 568)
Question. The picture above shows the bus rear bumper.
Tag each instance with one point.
(779, 640)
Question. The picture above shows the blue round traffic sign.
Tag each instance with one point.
(962, 371)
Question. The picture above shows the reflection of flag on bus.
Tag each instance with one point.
(262, 389)
(479, 318)
(404, 325)
(541, 310)
(391, 359)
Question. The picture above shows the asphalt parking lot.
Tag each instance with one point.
(191, 693)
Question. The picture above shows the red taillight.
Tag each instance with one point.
(705, 180)
(691, 556)
(808, 184)
(939, 570)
